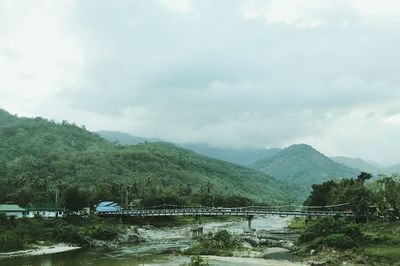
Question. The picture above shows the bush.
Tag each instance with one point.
(10, 242)
(339, 241)
(197, 261)
(104, 233)
(335, 233)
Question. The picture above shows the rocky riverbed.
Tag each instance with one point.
(268, 245)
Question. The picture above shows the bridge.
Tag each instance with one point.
(216, 211)
(248, 212)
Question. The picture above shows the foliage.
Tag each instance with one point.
(197, 261)
(74, 198)
(104, 233)
(332, 232)
(219, 243)
(339, 241)
(17, 234)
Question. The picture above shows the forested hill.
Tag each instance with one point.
(244, 156)
(39, 157)
(302, 165)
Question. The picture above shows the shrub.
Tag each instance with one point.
(339, 241)
(10, 242)
(104, 233)
(197, 261)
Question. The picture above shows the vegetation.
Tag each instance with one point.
(331, 232)
(302, 165)
(22, 233)
(380, 197)
(197, 261)
(220, 243)
(373, 239)
(40, 159)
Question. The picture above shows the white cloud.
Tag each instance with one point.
(38, 57)
(180, 6)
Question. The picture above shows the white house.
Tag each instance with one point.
(46, 210)
(13, 210)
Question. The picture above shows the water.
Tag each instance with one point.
(161, 248)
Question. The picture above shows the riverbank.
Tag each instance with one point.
(39, 250)
(379, 245)
(164, 246)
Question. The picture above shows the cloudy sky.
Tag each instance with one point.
(231, 73)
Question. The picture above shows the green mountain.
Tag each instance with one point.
(39, 157)
(302, 165)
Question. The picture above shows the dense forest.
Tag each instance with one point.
(42, 159)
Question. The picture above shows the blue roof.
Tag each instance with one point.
(106, 206)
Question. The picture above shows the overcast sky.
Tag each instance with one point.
(228, 73)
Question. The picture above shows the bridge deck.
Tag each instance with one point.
(222, 212)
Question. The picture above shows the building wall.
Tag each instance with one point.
(15, 214)
(46, 214)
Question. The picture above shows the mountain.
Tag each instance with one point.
(243, 157)
(302, 165)
(357, 163)
(39, 157)
(123, 138)
(394, 169)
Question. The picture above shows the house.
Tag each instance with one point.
(12, 210)
(46, 210)
(108, 206)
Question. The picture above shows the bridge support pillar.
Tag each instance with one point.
(197, 230)
(249, 218)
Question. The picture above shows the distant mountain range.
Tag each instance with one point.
(298, 164)
(369, 167)
(245, 157)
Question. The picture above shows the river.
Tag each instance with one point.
(161, 248)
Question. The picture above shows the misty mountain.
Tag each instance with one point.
(124, 138)
(368, 167)
(302, 165)
(357, 163)
(244, 157)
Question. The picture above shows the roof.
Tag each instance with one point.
(44, 206)
(107, 204)
(11, 208)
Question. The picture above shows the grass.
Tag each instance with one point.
(383, 243)
(299, 224)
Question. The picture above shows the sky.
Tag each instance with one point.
(229, 73)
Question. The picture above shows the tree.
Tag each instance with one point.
(320, 194)
(75, 199)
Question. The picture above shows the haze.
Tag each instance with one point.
(227, 73)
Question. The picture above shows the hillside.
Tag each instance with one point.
(303, 165)
(38, 157)
(357, 163)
